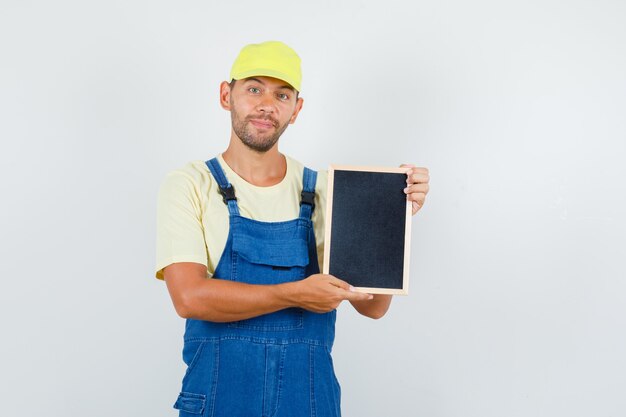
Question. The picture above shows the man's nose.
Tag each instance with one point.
(266, 103)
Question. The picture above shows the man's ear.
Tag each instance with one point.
(299, 104)
(225, 95)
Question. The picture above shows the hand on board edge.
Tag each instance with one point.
(417, 179)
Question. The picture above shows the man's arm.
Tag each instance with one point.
(374, 308)
(195, 296)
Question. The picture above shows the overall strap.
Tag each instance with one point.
(225, 188)
(307, 200)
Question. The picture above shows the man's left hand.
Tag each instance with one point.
(417, 179)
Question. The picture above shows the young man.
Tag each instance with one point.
(239, 242)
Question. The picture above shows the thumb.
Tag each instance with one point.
(358, 296)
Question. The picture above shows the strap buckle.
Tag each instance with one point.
(228, 193)
(307, 197)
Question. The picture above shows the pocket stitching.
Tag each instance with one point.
(193, 399)
(288, 324)
(194, 360)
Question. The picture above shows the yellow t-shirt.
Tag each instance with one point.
(192, 219)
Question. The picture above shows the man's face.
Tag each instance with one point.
(261, 108)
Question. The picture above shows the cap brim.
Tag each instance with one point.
(262, 72)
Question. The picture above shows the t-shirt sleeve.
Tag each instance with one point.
(180, 234)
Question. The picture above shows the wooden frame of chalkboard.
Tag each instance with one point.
(368, 228)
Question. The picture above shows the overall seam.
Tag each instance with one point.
(312, 379)
(259, 340)
(281, 366)
(265, 383)
(194, 360)
(216, 362)
(233, 257)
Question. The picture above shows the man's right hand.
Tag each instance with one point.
(321, 293)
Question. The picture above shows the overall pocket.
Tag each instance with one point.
(199, 382)
(190, 404)
(270, 261)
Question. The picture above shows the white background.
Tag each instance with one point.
(518, 283)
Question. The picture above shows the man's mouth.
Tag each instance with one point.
(262, 123)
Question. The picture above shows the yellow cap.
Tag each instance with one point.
(270, 59)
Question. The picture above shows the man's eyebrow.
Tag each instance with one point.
(254, 79)
(287, 86)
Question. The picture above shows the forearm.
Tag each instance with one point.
(220, 300)
(374, 308)
(198, 297)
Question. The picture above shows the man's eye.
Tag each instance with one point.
(283, 96)
(254, 90)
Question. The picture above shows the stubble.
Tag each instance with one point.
(246, 132)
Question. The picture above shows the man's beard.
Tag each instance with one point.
(243, 130)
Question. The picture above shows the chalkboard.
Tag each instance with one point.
(368, 228)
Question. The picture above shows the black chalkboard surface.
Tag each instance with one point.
(368, 228)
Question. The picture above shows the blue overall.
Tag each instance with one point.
(274, 365)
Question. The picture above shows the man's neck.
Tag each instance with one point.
(262, 169)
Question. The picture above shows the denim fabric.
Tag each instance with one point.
(275, 365)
